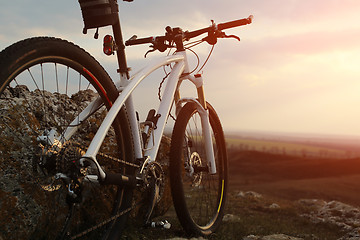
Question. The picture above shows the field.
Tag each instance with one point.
(287, 175)
(295, 177)
(281, 180)
(308, 147)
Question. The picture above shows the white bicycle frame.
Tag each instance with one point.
(171, 93)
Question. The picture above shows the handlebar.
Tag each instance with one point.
(220, 27)
(176, 33)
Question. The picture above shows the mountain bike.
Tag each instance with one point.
(75, 159)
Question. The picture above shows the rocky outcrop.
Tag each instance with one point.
(30, 201)
(29, 194)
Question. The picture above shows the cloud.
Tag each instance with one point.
(314, 42)
(296, 52)
(25, 18)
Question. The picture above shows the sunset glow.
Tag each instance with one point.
(296, 68)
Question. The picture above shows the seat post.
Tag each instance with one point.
(120, 52)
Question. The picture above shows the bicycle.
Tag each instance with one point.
(71, 138)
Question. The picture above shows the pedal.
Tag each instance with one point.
(160, 224)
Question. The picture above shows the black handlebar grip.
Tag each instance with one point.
(235, 23)
(139, 41)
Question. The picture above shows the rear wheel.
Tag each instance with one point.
(44, 84)
(199, 197)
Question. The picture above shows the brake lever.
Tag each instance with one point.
(151, 50)
(157, 45)
(223, 35)
(212, 39)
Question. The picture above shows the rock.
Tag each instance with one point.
(274, 206)
(353, 235)
(280, 237)
(271, 237)
(251, 237)
(340, 214)
(249, 195)
(26, 210)
(178, 238)
(312, 203)
(231, 218)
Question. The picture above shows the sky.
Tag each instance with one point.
(295, 70)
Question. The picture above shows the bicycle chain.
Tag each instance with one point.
(104, 222)
(87, 231)
(50, 187)
(119, 160)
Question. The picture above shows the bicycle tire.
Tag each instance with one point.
(34, 102)
(199, 199)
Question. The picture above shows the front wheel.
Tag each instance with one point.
(199, 197)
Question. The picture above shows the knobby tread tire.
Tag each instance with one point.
(177, 171)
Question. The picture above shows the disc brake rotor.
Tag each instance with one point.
(195, 161)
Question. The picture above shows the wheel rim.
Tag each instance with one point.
(203, 192)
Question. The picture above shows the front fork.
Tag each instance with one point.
(205, 119)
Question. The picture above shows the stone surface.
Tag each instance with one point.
(249, 194)
(340, 214)
(274, 206)
(231, 218)
(26, 210)
(271, 237)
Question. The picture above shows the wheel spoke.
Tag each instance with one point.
(200, 208)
